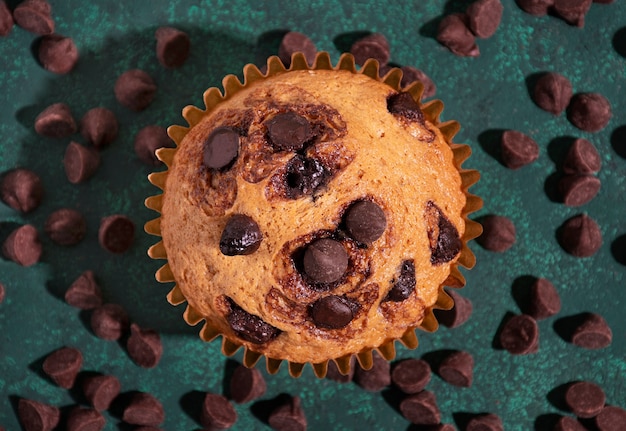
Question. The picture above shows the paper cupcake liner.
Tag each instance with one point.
(432, 111)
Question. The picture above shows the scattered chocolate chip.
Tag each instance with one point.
(148, 140)
(116, 233)
(135, 89)
(585, 399)
(374, 46)
(520, 335)
(304, 176)
(578, 190)
(80, 163)
(572, 11)
(457, 368)
(246, 384)
(57, 54)
(221, 148)
(144, 346)
(404, 285)
(567, 423)
(2, 293)
(411, 74)
(56, 121)
(288, 416)
(590, 112)
(376, 378)
(592, 333)
(580, 236)
(365, 221)
(22, 246)
(458, 314)
(498, 233)
(172, 47)
(443, 237)
(518, 149)
(21, 189)
(611, 418)
(101, 390)
(66, 226)
(99, 127)
(84, 292)
(84, 419)
(411, 375)
(289, 131)
(144, 409)
(552, 92)
(485, 422)
(582, 158)
(109, 321)
(544, 299)
(332, 312)
(484, 17)
(241, 236)
(34, 16)
(293, 42)
(63, 365)
(6, 19)
(421, 408)
(454, 33)
(217, 412)
(535, 7)
(250, 327)
(325, 260)
(36, 416)
(405, 106)
(333, 373)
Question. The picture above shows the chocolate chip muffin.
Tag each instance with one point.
(314, 213)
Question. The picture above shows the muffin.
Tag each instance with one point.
(313, 213)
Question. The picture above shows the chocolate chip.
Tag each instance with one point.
(289, 131)
(566, 423)
(592, 333)
(376, 378)
(250, 327)
(520, 335)
(535, 7)
(144, 409)
(443, 237)
(585, 399)
(580, 236)
(484, 17)
(6, 19)
(544, 299)
(365, 221)
(135, 89)
(293, 42)
(405, 106)
(578, 190)
(241, 236)
(110, 321)
(148, 140)
(454, 33)
(374, 46)
(80, 163)
(2, 293)
(34, 16)
(288, 416)
(325, 260)
(56, 121)
(572, 11)
(217, 412)
(303, 176)
(21, 189)
(99, 127)
(66, 226)
(246, 384)
(172, 47)
(84, 292)
(411, 74)
(518, 149)
(552, 92)
(144, 346)
(590, 112)
(84, 419)
(411, 375)
(458, 314)
(22, 246)
(63, 365)
(582, 158)
(498, 233)
(457, 368)
(611, 418)
(485, 422)
(57, 54)
(116, 233)
(334, 374)
(332, 312)
(221, 148)
(36, 416)
(101, 390)
(404, 284)
(421, 409)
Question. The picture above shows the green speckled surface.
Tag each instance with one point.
(485, 94)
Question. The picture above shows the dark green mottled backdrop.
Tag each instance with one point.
(486, 94)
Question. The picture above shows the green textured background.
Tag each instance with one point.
(486, 94)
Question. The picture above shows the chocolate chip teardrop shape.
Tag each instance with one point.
(404, 285)
(325, 260)
(444, 239)
(332, 312)
(221, 148)
(289, 131)
(250, 327)
(404, 105)
(240, 236)
(365, 221)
